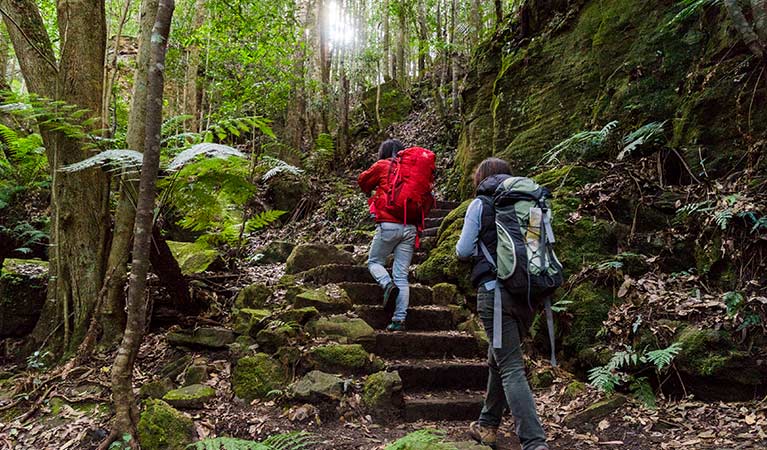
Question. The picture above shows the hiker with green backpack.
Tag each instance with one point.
(507, 232)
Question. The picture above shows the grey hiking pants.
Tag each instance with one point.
(507, 383)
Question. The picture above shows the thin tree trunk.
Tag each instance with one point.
(423, 39)
(110, 71)
(126, 412)
(401, 62)
(498, 13)
(4, 84)
(476, 21)
(389, 72)
(454, 57)
(343, 122)
(192, 91)
(296, 111)
(744, 28)
(113, 308)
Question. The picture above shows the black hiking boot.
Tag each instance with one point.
(391, 291)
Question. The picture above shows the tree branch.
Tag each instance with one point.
(744, 28)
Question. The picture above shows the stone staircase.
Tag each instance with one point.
(443, 370)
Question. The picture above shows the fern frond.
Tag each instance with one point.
(603, 378)
(263, 219)
(207, 149)
(691, 8)
(297, 440)
(226, 443)
(580, 143)
(662, 358)
(126, 160)
(277, 167)
(643, 391)
(647, 134)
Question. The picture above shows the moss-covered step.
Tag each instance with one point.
(428, 344)
(344, 329)
(309, 256)
(194, 257)
(448, 405)
(23, 286)
(430, 374)
(324, 299)
(203, 337)
(372, 294)
(419, 318)
(337, 273)
(344, 358)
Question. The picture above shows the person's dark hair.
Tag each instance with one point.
(389, 148)
(490, 167)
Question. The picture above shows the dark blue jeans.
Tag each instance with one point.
(507, 383)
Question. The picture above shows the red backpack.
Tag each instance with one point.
(411, 179)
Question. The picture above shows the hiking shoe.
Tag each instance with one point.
(396, 325)
(391, 291)
(484, 435)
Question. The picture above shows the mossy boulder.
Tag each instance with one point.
(382, 391)
(156, 389)
(197, 373)
(347, 358)
(23, 286)
(443, 265)
(161, 427)
(194, 257)
(309, 256)
(574, 389)
(285, 192)
(589, 308)
(324, 299)
(194, 396)
(318, 386)
(255, 376)
(275, 335)
(203, 337)
(446, 294)
(250, 321)
(255, 296)
(274, 252)
(299, 315)
(343, 329)
(595, 411)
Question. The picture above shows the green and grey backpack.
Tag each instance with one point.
(526, 263)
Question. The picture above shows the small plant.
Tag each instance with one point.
(37, 360)
(298, 440)
(431, 439)
(579, 144)
(122, 444)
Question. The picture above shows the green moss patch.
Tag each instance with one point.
(161, 427)
(193, 396)
(343, 358)
(255, 376)
(193, 257)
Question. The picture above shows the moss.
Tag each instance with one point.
(574, 389)
(427, 440)
(299, 315)
(324, 300)
(255, 296)
(704, 352)
(193, 257)
(589, 308)
(255, 376)
(193, 396)
(394, 105)
(342, 358)
(248, 321)
(156, 388)
(309, 256)
(343, 329)
(275, 336)
(382, 390)
(442, 264)
(567, 179)
(163, 428)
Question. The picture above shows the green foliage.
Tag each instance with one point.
(422, 440)
(297, 440)
(276, 167)
(263, 219)
(648, 135)
(321, 158)
(643, 391)
(608, 377)
(23, 164)
(662, 358)
(121, 444)
(690, 8)
(25, 234)
(579, 144)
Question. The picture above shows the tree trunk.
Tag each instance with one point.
(423, 40)
(193, 92)
(113, 308)
(476, 21)
(79, 212)
(498, 13)
(389, 70)
(401, 63)
(4, 84)
(295, 126)
(343, 121)
(126, 412)
(454, 57)
(744, 28)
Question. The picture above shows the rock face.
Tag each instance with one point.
(285, 192)
(309, 256)
(382, 391)
(343, 329)
(194, 396)
(161, 427)
(318, 386)
(204, 337)
(23, 285)
(255, 376)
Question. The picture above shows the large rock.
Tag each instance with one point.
(382, 391)
(156, 389)
(596, 411)
(250, 321)
(194, 257)
(274, 252)
(299, 315)
(23, 285)
(255, 296)
(161, 427)
(285, 192)
(194, 396)
(309, 256)
(275, 335)
(255, 376)
(203, 337)
(318, 386)
(343, 329)
(347, 358)
(324, 299)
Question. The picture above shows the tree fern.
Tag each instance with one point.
(207, 149)
(276, 167)
(111, 160)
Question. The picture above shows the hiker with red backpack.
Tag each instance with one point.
(507, 232)
(402, 180)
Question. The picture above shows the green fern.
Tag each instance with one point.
(276, 167)
(263, 219)
(649, 134)
(722, 218)
(643, 391)
(662, 358)
(297, 440)
(235, 127)
(690, 9)
(431, 439)
(579, 144)
(604, 378)
(226, 443)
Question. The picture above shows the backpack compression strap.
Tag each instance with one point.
(498, 311)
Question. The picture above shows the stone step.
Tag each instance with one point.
(419, 318)
(429, 374)
(443, 405)
(444, 204)
(435, 344)
(433, 222)
(337, 273)
(429, 232)
(438, 213)
(372, 294)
